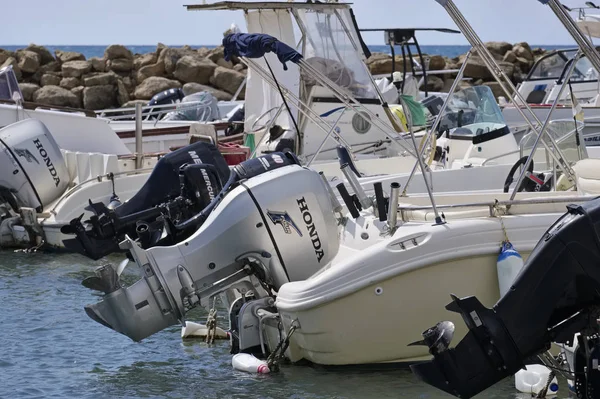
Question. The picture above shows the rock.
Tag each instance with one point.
(70, 83)
(4, 55)
(78, 91)
(495, 87)
(498, 49)
(143, 60)
(522, 50)
(100, 79)
(99, 97)
(147, 71)
(437, 63)
(98, 64)
(45, 55)
(510, 56)
(50, 79)
(153, 85)
(225, 64)
(159, 48)
(75, 69)
(463, 84)
(120, 65)
(191, 88)
(216, 54)
(384, 65)
(377, 56)
(51, 67)
(116, 51)
(170, 56)
(239, 67)
(132, 103)
(523, 64)
(476, 69)
(433, 84)
(54, 95)
(122, 93)
(190, 69)
(130, 84)
(28, 61)
(66, 56)
(227, 79)
(28, 89)
(12, 61)
(203, 52)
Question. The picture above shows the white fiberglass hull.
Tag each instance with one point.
(368, 306)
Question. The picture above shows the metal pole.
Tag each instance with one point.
(138, 136)
(438, 118)
(546, 123)
(326, 137)
(438, 219)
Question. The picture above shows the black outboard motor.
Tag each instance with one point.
(170, 96)
(556, 295)
(180, 193)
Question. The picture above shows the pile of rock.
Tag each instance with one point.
(515, 60)
(120, 77)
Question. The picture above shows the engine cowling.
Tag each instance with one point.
(32, 166)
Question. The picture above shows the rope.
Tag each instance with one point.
(543, 392)
(278, 353)
(211, 324)
(497, 210)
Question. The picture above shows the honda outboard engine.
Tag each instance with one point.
(556, 295)
(277, 224)
(33, 168)
(183, 183)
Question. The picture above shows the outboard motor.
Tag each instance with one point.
(33, 168)
(277, 225)
(182, 184)
(170, 96)
(556, 295)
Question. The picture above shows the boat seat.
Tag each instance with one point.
(587, 175)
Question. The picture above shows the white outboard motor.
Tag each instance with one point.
(31, 164)
(278, 226)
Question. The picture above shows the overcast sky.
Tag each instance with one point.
(81, 22)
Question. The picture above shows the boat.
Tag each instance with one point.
(311, 278)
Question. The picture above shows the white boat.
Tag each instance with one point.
(338, 285)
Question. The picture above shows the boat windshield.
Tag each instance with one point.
(472, 112)
(564, 132)
(9, 88)
(553, 65)
(330, 49)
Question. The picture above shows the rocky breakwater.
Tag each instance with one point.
(516, 60)
(120, 78)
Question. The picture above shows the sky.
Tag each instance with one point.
(147, 22)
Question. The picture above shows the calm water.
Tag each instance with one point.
(50, 348)
(98, 51)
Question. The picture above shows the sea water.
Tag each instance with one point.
(49, 348)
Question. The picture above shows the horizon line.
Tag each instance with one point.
(216, 45)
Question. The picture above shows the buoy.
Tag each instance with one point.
(250, 364)
(534, 379)
(509, 265)
(197, 330)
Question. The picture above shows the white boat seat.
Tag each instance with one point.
(587, 176)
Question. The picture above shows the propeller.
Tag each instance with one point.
(122, 266)
(437, 338)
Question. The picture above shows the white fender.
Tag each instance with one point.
(197, 330)
(250, 364)
(509, 265)
(534, 379)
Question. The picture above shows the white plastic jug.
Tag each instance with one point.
(534, 379)
(250, 364)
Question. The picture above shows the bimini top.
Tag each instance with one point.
(266, 5)
(255, 45)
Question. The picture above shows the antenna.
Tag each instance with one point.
(591, 5)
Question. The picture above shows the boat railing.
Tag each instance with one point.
(492, 206)
(154, 110)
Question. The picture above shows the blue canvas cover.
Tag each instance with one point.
(254, 45)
